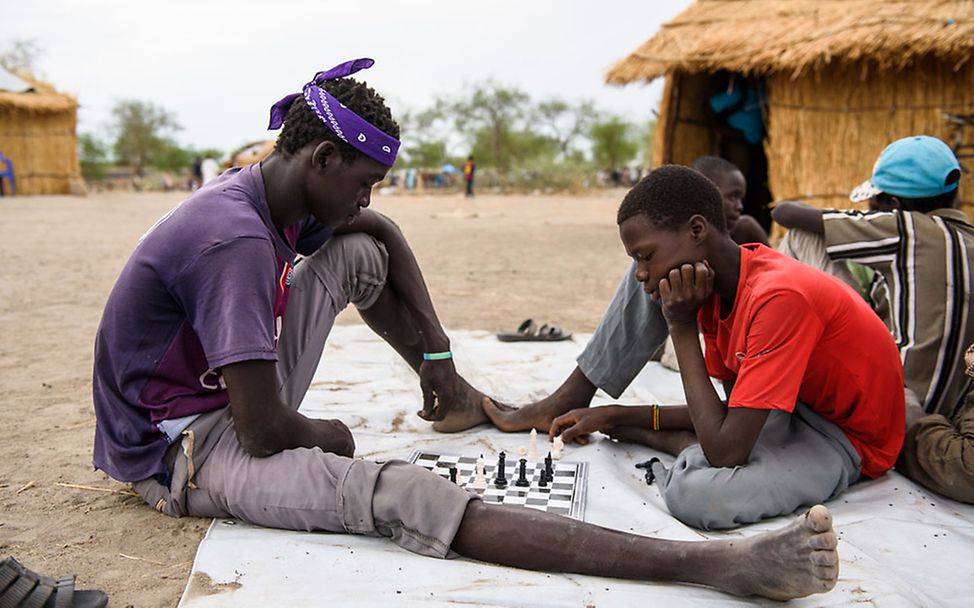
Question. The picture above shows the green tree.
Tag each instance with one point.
(487, 116)
(613, 142)
(565, 123)
(142, 132)
(93, 156)
(425, 136)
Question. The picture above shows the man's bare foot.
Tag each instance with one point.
(466, 412)
(798, 560)
(670, 442)
(575, 392)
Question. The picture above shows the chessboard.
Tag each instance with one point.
(564, 496)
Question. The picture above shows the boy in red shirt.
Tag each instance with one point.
(813, 378)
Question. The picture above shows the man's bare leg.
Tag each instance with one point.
(795, 561)
(575, 392)
(392, 321)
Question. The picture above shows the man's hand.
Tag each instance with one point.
(440, 385)
(578, 424)
(684, 291)
(333, 436)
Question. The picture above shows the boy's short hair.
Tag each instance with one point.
(302, 126)
(712, 166)
(671, 195)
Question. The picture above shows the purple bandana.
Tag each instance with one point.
(346, 124)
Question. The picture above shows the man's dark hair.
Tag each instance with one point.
(671, 195)
(923, 205)
(302, 126)
(712, 166)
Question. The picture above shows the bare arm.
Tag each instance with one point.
(726, 435)
(404, 276)
(266, 426)
(748, 230)
(795, 214)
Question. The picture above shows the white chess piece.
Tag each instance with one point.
(533, 449)
(480, 480)
(558, 444)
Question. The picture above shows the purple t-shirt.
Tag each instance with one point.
(205, 287)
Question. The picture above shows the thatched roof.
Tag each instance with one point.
(766, 36)
(40, 98)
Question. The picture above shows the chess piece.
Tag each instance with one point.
(453, 474)
(533, 449)
(543, 482)
(500, 480)
(556, 448)
(522, 474)
(548, 468)
(480, 480)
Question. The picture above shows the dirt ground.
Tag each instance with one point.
(489, 262)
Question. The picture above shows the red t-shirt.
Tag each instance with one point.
(796, 333)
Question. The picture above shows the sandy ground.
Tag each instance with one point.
(489, 263)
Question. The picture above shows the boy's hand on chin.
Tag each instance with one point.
(683, 292)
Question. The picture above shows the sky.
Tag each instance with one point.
(218, 65)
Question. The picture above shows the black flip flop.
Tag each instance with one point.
(529, 331)
(22, 588)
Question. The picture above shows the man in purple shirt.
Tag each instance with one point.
(213, 331)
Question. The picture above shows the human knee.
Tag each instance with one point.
(360, 262)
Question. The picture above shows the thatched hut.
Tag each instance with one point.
(837, 80)
(38, 134)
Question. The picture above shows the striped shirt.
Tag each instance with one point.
(925, 260)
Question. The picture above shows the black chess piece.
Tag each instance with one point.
(522, 474)
(548, 468)
(648, 465)
(500, 481)
(543, 482)
(453, 474)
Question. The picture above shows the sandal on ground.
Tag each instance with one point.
(529, 331)
(23, 588)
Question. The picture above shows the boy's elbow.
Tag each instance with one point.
(255, 443)
(728, 457)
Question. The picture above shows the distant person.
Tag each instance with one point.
(212, 334)
(469, 171)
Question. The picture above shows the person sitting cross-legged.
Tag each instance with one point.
(812, 377)
(631, 331)
(211, 336)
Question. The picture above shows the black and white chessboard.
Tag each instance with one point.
(564, 496)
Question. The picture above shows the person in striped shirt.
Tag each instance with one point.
(921, 249)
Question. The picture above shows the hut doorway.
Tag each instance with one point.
(738, 114)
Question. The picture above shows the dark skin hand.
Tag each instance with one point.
(437, 379)
(727, 435)
(795, 214)
(266, 426)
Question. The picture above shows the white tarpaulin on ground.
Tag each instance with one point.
(900, 545)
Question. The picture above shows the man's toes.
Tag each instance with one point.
(819, 518)
(827, 576)
(824, 541)
(825, 558)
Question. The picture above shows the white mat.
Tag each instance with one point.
(900, 545)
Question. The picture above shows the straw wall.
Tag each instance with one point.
(43, 149)
(827, 128)
(684, 131)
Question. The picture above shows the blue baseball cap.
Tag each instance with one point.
(912, 167)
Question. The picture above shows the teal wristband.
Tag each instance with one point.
(437, 356)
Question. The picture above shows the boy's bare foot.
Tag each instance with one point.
(795, 561)
(466, 412)
(574, 393)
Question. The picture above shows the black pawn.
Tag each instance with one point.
(543, 482)
(548, 469)
(500, 480)
(453, 474)
(522, 474)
